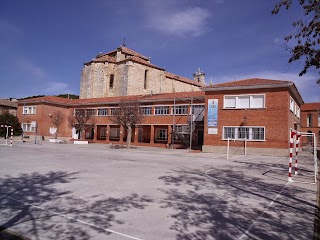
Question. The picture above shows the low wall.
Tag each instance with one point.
(250, 150)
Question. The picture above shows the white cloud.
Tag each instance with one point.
(175, 20)
(305, 84)
(31, 68)
(53, 88)
(39, 80)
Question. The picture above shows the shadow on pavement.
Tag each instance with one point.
(230, 202)
(32, 205)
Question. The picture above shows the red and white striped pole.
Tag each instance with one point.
(297, 150)
(11, 136)
(292, 133)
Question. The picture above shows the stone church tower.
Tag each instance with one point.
(125, 72)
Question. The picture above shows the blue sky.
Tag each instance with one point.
(43, 44)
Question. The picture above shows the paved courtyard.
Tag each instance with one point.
(66, 191)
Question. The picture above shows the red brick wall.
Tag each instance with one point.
(315, 128)
(275, 117)
(43, 119)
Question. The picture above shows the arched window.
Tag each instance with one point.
(145, 79)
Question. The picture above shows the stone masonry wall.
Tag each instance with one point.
(128, 80)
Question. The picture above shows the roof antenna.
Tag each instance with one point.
(124, 42)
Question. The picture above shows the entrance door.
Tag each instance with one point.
(200, 138)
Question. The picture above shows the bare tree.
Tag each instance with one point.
(128, 115)
(57, 118)
(82, 120)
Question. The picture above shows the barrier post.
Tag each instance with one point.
(292, 133)
(297, 150)
(11, 137)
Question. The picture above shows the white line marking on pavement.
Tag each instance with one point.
(245, 234)
(281, 159)
(73, 219)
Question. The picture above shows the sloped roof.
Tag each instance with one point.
(105, 58)
(141, 61)
(8, 103)
(110, 100)
(47, 99)
(248, 82)
(132, 52)
(314, 106)
(183, 79)
(139, 58)
(255, 83)
(110, 56)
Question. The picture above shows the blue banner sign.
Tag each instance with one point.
(212, 112)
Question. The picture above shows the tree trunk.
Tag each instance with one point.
(129, 136)
(56, 134)
(81, 132)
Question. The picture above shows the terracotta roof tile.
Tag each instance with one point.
(133, 53)
(127, 51)
(47, 99)
(183, 79)
(105, 58)
(8, 103)
(249, 82)
(110, 100)
(139, 60)
(315, 106)
(151, 97)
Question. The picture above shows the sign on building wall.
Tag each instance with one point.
(212, 112)
(212, 130)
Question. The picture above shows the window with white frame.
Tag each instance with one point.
(229, 132)
(146, 110)
(318, 120)
(180, 110)
(257, 133)
(291, 104)
(26, 127)
(243, 133)
(161, 110)
(298, 112)
(162, 134)
(102, 112)
(248, 133)
(198, 112)
(244, 101)
(29, 110)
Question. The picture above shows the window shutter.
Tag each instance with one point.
(243, 102)
(257, 101)
(230, 102)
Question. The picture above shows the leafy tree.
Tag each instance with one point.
(128, 115)
(307, 35)
(36, 96)
(57, 118)
(70, 96)
(11, 120)
(81, 120)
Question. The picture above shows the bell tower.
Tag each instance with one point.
(199, 76)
